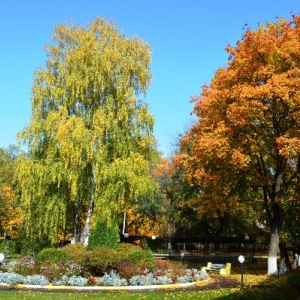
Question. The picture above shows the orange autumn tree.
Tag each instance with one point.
(249, 126)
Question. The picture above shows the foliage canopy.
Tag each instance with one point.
(90, 141)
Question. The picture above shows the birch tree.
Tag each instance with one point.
(90, 139)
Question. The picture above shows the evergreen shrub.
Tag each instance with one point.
(103, 235)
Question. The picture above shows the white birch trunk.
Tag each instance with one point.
(87, 227)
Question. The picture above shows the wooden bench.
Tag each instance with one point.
(222, 269)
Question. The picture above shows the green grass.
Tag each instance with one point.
(18, 295)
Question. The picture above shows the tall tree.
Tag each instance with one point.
(10, 211)
(249, 124)
(90, 140)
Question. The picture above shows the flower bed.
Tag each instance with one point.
(75, 266)
(108, 279)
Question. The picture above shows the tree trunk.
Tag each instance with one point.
(273, 251)
(276, 226)
(274, 241)
(77, 224)
(87, 227)
(284, 260)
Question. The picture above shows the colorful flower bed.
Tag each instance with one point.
(133, 267)
(108, 279)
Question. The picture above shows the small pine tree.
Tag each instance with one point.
(104, 236)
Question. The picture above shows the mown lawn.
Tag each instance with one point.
(213, 294)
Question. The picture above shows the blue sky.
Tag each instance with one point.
(188, 40)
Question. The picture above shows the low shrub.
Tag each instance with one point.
(8, 248)
(77, 281)
(25, 265)
(125, 268)
(36, 280)
(125, 248)
(51, 254)
(142, 256)
(100, 259)
(162, 265)
(54, 271)
(77, 253)
(11, 278)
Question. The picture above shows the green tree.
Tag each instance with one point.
(10, 212)
(90, 140)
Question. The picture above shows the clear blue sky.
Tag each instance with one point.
(188, 40)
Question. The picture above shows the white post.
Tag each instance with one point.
(124, 218)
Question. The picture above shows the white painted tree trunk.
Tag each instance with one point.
(273, 251)
(272, 265)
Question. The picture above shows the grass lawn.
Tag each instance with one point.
(213, 294)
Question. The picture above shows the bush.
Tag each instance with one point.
(125, 268)
(125, 248)
(76, 253)
(33, 245)
(24, 266)
(162, 265)
(103, 235)
(100, 260)
(51, 254)
(8, 248)
(142, 256)
(54, 271)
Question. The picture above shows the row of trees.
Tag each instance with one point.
(91, 154)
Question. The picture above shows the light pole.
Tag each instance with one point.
(125, 234)
(246, 238)
(241, 260)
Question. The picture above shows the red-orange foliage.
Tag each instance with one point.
(249, 122)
